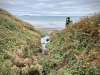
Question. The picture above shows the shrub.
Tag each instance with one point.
(42, 35)
(49, 45)
(58, 55)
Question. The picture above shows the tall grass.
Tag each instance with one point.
(76, 49)
(19, 41)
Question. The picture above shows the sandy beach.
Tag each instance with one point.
(48, 31)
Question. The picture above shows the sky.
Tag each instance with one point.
(51, 7)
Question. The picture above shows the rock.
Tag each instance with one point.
(44, 41)
(48, 39)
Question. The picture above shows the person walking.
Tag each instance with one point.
(67, 21)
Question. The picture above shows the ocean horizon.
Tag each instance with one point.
(48, 21)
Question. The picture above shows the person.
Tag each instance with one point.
(68, 21)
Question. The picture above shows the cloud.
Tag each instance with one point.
(50, 7)
(14, 2)
(56, 12)
(43, 0)
(66, 2)
(25, 13)
(41, 6)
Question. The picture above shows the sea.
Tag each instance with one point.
(48, 21)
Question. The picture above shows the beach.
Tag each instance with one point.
(48, 24)
(49, 31)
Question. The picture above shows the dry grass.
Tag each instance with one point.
(76, 48)
(20, 53)
(14, 70)
(18, 42)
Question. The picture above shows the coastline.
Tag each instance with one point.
(49, 31)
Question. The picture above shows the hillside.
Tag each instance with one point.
(19, 46)
(72, 51)
(75, 50)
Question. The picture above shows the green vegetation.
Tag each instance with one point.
(19, 44)
(73, 51)
(49, 45)
(42, 35)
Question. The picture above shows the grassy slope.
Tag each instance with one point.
(19, 43)
(75, 50)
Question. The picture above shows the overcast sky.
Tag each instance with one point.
(51, 7)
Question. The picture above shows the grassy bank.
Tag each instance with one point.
(19, 46)
(75, 50)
